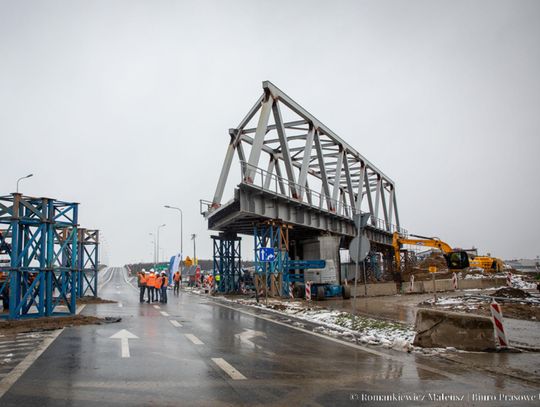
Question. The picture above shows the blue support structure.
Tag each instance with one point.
(87, 275)
(227, 263)
(272, 275)
(39, 256)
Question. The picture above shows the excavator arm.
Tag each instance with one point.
(456, 259)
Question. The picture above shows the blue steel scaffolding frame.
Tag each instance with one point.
(87, 275)
(227, 263)
(273, 274)
(38, 256)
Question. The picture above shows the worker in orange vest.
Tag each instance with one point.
(164, 285)
(141, 281)
(150, 284)
(176, 278)
(157, 286)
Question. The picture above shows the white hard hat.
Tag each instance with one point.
(143, 270)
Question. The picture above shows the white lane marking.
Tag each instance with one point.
(164, 313)
(124, 275)
(19, 370)
(175, 323)
(194, 339)
(227, 368)
(120, 305)
(124, 335)
(157, 307)
(403, 360)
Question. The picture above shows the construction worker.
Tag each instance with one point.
(157, 286)
(150, 284)
(176, 278)
(141, 281)
(164, 285)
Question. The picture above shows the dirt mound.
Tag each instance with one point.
(51, 323)
(434, 260)
(94, 300)
(510, 292)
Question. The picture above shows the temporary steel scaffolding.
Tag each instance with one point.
(39, 259)
(87, 276)
(227, 263)
(272, 275)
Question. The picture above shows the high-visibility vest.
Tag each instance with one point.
(151, 281)
(158, 282)
(165, 281)
(176, 276)
(142, 278)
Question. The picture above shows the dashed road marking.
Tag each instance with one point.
(227, 368)
(120, 305)
(194, 339)
(157, 307)
(175, 323)
(164, 313)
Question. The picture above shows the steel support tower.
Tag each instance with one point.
(87, 275)
(38, 256)
(227, 263)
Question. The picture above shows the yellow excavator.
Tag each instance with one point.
(455, 259)
(487, 263)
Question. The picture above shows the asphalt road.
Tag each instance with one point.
(194, 351)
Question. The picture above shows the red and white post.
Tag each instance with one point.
(496, 313)
(291, 292)
(509, 279)
(308, 290)
(411, 285)
(454, 281)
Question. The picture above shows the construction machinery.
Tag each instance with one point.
(456, 259)
(487, 263)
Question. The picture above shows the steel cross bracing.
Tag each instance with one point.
(87, 276)
(272, 275)
(38, 256)
(227, 263)
(306, 162)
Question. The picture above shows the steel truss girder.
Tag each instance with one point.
(310, 154)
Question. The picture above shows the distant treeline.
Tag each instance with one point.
(205, 265)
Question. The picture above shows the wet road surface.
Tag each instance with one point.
(195, 351)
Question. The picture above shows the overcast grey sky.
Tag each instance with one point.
(124, 106)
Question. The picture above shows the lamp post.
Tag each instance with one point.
(27, 176)
(154, 246)
(181, 227)
(193, 237)
(157, 244)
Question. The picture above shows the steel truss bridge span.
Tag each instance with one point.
(296, 169)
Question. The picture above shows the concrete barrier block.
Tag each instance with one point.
(439, 329)
(374, 290)
(482, 283)
(440, 285)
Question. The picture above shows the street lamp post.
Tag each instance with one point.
(193, 237)
(27, 176)
(157, 244)
(181, 227)
(154, 246)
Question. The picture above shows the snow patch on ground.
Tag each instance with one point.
(341, 324)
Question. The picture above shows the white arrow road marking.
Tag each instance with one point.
(120, 305)
(175, 323)
(194, 339)
(248, 334)
(227, 368)
(164, 313)
(124, 335)
(157, 307)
